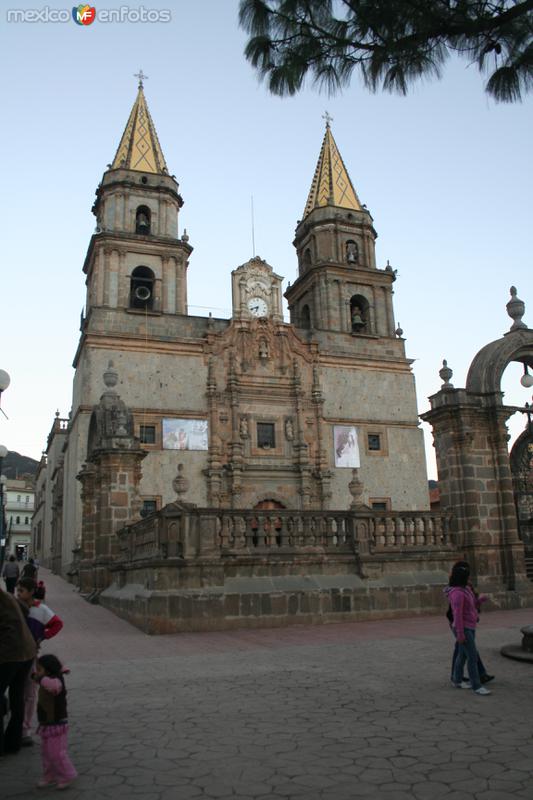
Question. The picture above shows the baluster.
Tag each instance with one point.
(418, 525)
(260, 533)
(250, 533)
(282, 535)
(390, 539)
(380, 531)
(410, 532)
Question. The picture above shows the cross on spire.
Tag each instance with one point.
(328, 118)
(141, 77)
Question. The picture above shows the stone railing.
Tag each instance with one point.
(191, 532)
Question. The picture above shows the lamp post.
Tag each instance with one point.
(5, 380)
(3, 479)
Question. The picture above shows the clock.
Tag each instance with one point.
(257, 307)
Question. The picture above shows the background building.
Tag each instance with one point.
(19, 506)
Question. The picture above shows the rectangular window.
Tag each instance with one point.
(149, 507)
(266, 435)
(147, 434)
(380, 503)
(374, 441)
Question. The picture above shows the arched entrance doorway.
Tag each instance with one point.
(522, 472)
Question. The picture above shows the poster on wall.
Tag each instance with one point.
(185, 434)
(346, 447)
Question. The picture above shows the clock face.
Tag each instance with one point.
(257, 307)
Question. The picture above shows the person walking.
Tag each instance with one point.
(465, 616)
(16, 657)
(10, 574)
(29, 570)
(53, 723)
(483, 674)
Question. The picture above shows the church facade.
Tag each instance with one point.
(256, 412)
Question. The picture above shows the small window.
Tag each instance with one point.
(27, 498)
(149, 507)
(18, 498)
(266, 435)
(379, 505)
(374, 441)
(147, 434)
(26, 520)
(17, 521)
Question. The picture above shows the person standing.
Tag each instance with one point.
(53, 723)
(16, 657)
(465, 616)
(43, 624)
(10, 574)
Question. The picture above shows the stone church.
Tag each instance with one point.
(260, 412)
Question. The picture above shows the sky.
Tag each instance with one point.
(446, 173)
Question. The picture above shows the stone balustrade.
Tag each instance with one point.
(215, 533)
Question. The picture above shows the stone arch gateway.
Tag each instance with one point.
(475, 478)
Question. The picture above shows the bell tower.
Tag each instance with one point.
(339, 287)
(135, 260)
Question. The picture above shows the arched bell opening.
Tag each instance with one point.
(351, 252)
(142, 288)
(143, 221)
(359, 314)
(305, 317)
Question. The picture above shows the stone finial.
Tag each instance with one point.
(356, 488)
(446, 373)
(399, 331)
(185, 236)
(516, 309)
(180, 484)
(110, 378)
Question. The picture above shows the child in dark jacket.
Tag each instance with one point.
(53, 723)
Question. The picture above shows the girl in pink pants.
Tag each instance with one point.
(53, 723)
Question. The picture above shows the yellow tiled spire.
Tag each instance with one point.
(139, 147)
(331, 184)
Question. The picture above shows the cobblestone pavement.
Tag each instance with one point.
(308, 713)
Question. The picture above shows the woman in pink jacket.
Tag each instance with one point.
(465, 616)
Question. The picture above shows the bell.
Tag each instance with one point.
(357, 321)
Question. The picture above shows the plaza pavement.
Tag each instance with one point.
(353, 710)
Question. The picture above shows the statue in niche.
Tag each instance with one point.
(289, 429)
(263, 349)
(243, 428)
(352, 252)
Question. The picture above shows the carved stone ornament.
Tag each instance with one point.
(446, 373)
(356, 488)
(244, 432)
(289, 429)
(516, 309)
(180, 484)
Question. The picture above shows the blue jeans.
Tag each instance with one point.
(480, 665)
(467, 652)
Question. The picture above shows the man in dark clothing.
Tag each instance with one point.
(16, 657)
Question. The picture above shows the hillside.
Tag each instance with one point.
(15, 465)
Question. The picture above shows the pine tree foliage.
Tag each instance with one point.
(391, 42)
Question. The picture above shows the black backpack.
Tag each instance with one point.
(449, 614)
